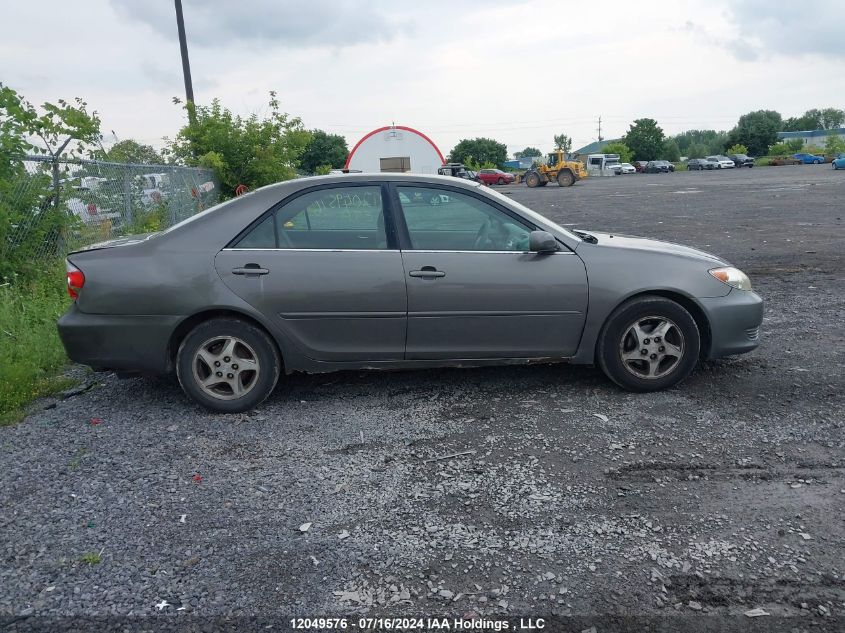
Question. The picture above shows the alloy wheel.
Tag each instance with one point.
(651, 347)
(225, 367)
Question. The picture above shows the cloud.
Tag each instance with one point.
(767, 28)
(268, 23)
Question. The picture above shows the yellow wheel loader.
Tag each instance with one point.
(564, 172)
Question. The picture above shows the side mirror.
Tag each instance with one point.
(542, 242)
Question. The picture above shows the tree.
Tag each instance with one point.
(707, 142)
(697, 150)
(834, 145)
(479, 150)
(324, 150)
(737, 148)
(816, 119)
(625, 154)
(129, 151)
(645, 139)
(757, 130)
(671, 151)
(832, 118)
(33, 200)
(563, 143)
(786, 148)
(249, 151)
(528, 152)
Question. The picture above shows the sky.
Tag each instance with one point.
(519, 71)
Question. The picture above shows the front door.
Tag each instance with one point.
(325, 269)
(474, 289)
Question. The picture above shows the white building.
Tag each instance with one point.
(813, 137)
(395, 148)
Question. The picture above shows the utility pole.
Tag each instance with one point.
(186, 64)
(600, 137)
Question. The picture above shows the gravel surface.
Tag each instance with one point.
(570, 497)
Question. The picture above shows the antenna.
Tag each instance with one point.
(600, 136)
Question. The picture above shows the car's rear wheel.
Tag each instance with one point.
(649, 343)
(501, 181)
(228, 365)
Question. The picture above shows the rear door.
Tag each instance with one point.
(474, 289)
(326, 269)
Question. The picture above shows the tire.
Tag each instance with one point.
(565, 178)
(533, 180)
(817, 162)
(206, 345)
(656, 370)
(500, 181)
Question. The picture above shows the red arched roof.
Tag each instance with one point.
(395, 127)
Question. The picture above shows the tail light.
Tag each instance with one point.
(75, 280)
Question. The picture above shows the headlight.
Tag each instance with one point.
(733, 277)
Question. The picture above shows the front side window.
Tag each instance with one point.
(442, 220)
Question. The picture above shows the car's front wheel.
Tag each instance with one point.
(228, 365)
(649, 343)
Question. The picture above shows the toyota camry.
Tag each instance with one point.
(361, 271)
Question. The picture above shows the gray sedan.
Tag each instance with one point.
(362, 271)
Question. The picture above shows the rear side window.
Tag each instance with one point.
(338, 218)
(262, 236)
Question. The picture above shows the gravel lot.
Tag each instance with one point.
(578, 499)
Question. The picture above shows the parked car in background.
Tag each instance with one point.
(669, 164)
(700, 164)
(82, 202)
(741, 160)
(777, 161)
(657, 167)
(839, 161)
(809, 159)
(722, 162)
(458, 170)
(154, 188)
(345, 272)
(495, 177)
(627, 168)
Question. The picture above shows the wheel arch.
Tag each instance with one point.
(685, 301)
(189, 323)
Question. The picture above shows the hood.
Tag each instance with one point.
(614, 240)
(120, 241)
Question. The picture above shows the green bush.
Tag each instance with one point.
(32, 352)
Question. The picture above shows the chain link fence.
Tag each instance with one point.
(50, 207)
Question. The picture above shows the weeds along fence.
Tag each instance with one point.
(50, 207)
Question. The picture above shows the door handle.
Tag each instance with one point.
(250, 269)
(427, 272)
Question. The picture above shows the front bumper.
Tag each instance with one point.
(121, 342)
(735, 321)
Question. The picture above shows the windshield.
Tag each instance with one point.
(531, 215)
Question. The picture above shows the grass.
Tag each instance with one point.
(91, 558)
(31, 354)
(74, 463)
